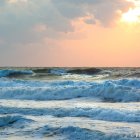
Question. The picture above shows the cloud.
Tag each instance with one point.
(104, 11)
(21, 20)
(18, 18)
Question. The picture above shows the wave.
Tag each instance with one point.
(81, 133)
(11, 120)
(70, 132)
(88, 71)
(109, 72)
(136, 74)
(14, 73)
(59, 71)
(50, 71)
(96, 113)
(101, 114)
(124, 90)
(100, 73)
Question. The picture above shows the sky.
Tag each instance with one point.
(70, 33)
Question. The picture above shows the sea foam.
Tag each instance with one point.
(124, 90)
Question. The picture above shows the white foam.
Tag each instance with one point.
(119, 90)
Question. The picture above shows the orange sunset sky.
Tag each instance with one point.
(98, 33)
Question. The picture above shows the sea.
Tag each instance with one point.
(69, 103)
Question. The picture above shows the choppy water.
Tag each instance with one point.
(70, 103)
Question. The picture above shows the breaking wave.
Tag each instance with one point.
(124, 90)
(114, 115)
(102, 73)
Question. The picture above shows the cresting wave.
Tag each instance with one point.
(103, 73)
(125, 90)
(61, 71)
(14, 73)
(51, 71)
(114, 115)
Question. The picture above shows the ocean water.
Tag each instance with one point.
(69, 103)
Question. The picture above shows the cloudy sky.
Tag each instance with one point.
(69, 33)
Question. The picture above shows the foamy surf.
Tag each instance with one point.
(70, 103)
(125, 90)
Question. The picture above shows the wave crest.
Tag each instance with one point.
(125, 90)
(14, 73)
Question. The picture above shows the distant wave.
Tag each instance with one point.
(124, 90)
(135, 74)
(14, 73)
(102, 73)
(51, 71)
(61, 71)
(89, 71)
